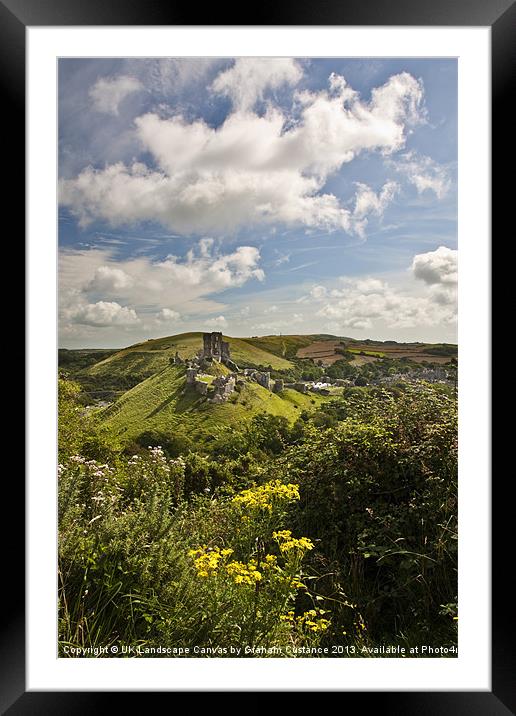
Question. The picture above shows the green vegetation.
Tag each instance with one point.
(165, 403)
(441, 349)
(281, 524)
(283, 346)
(80, 359)
(356, 351)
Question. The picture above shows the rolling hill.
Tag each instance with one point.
(164, 402)
(150, 391)
(145, 359)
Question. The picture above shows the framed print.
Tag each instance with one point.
(258, 260)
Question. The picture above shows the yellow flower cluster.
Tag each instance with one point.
(264, 496)
(244, 573)
(207, 559)
(311, 620)
(286, 542)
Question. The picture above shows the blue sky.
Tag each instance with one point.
(257, 196)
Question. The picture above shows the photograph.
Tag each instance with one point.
(257, 357)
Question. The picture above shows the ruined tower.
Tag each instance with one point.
(212, 345)
(214, 348)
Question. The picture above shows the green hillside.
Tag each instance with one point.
(282, 346)
(163, 402)
(143, 360)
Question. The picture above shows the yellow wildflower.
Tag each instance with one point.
(286, 542)
(264, 497)
(244, 573)
(207, 559)
(313, 621)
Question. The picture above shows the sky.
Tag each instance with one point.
(257, 196)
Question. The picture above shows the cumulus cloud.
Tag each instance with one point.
(362, 303)
(102, 314)
(437, 267)
(424, 173)
(170, 287)
(167, 314)
(218, 322)
(253, 170)
(108, 92)
(110, 280)
(246, 81)
(217, 272)
(439, 270)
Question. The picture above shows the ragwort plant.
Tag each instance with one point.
(140, 566)
(251, 586)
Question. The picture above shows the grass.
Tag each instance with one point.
(283, 346)
(142, 360)
(163, 402)
(376, 354)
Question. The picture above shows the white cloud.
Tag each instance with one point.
(103, 313)
(216, 272)
(170, 287)
(246, 81)
(367, 202)
(167, 314)
(218, 322)
(437, 267)
(439, 270)
(424, 173)
(362, 303)
(253, 170)
(318, 292)
(110, 280)
(108, 92)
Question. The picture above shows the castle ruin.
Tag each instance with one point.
(221, 387)
(214, 348)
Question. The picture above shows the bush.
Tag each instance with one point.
(139, 567)
(379, 495)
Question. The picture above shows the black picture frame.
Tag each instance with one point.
(500, 16)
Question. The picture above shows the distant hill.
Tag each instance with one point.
(146, 358)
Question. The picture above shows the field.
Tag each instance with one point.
(327, 351)
(323, 351)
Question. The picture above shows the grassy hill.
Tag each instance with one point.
(282, 346)
(163, 402)
(143, 360)
(150, 392)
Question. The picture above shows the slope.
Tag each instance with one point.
(142, 360)
(163, 402)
